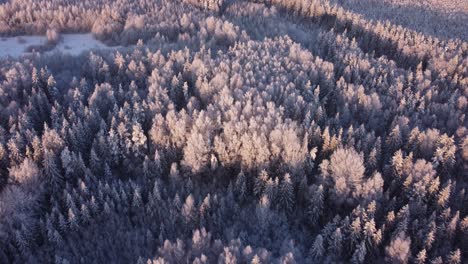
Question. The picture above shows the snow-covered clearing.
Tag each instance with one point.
(16, 46)
(73, 44)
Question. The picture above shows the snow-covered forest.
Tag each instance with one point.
(235, 131)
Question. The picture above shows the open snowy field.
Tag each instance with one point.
(16, 46)
(73, 44)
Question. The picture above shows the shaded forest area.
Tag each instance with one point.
(281, 131)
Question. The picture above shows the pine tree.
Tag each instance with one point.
(158, 163)
(370, 232)
(21, 242)
(72, 219)
(394, 140)
(260, 183)
(336, 243)
(286, 198)
(95, 163)
(174, 175)
(188, 210)
(138, 140)
(359, 255)
(399, 249)
(51, 171)
(137, 200)
(437, 260)
(445, 153)
(444, 196)
(85, 216)
(454, 257)
(347, 170)
(318, 250)
(397, 163)
(241, 187)
(255, 260)
(147, 170)
(271, 188)
(355, 232)
(316, 203)
(421, 257)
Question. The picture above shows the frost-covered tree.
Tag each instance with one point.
(399, 249)
(345, 171)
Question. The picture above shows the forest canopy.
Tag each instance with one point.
(232, 131)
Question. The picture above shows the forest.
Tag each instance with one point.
(235, 131)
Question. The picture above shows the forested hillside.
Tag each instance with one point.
(232, 131)
(440, 18)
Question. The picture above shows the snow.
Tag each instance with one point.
(16, 46)
(73, 44)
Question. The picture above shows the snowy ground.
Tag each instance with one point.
(72, 44)
(16, 46)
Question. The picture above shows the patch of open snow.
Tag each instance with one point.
(73, 44)
(16, 46)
